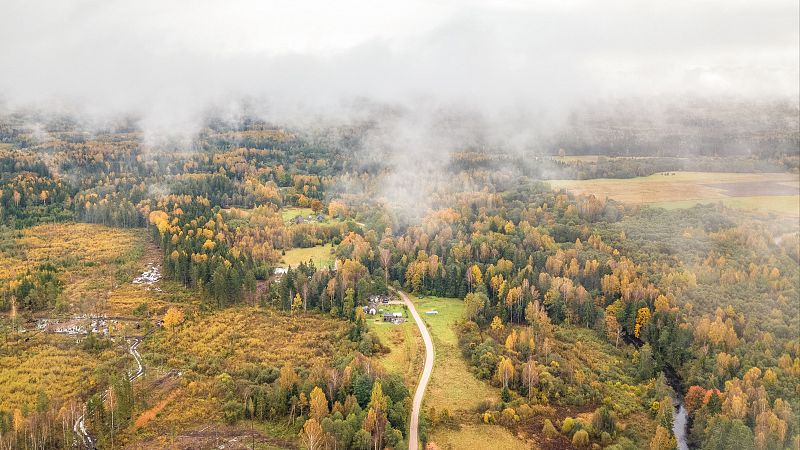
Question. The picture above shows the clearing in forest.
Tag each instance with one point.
(321, 254)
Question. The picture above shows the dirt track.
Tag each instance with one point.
(413, 437)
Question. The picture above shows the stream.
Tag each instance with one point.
(680, 418)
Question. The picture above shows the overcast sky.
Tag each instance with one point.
(167, 60)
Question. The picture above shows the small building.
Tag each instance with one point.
(394, 317)
(432, 312)
(280, 271)
(379, 298)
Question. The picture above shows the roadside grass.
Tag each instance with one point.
(321, 254)
(686, 189)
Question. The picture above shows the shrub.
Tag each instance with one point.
(580, 439)
(232, 411)
(549, 430)
(509, 417)
(567, 425)
(603, 421)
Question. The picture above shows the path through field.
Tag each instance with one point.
(413, 437)
(86, 439)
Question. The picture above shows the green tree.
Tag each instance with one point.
(728, 434)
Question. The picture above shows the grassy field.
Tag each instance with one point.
(406, 353)
(288, 214)
(477, 436)
(321, 254)
(443, 392)
(758, 191)
(782, 204)
(453, 386)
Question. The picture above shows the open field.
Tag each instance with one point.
(288, 214)
(406, 353)
(592, 159)
(321, 254)
(449, 365)
(771, 192)
(477, 436)
(782, 204)
(453, 386)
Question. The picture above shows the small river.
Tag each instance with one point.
(680, 421)
(680, 417)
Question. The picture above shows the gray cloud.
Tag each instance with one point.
(168, 61)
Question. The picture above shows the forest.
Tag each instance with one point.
(587, 319)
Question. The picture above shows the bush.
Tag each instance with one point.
(549, 430)
(603, 421)
(231, 411)
(567, 425)
(509, 417)
(580, 439)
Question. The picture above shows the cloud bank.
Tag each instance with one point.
(168, 62)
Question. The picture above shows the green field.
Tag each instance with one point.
(477, 436)
(453, 386)
(321, 254)
(782, 204)
(288, 214)
(449, 365)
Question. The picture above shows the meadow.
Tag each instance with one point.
(453, 387)
(766, 192)
(287, 214)
(407, 354)
(321, 255)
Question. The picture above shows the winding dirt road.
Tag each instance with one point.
(86, 439)
(413, 437)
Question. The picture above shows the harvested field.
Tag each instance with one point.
(765, 192)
